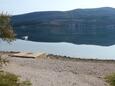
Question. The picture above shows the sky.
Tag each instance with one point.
(15, 7)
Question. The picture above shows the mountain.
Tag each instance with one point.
(79, 26)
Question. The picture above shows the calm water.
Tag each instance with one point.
(63, 48)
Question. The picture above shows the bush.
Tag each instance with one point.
(8, 79)
(110, 79)
(6, 29)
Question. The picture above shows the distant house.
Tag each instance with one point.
(25, 37)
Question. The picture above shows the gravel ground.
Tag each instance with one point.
(57, 72)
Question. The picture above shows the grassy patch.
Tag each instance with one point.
(8, 79)
(110, 79)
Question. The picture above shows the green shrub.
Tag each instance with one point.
(6, 29)
(110, 79)
(8, 79)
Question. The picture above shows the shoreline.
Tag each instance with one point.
(60, 57)
(78, 59)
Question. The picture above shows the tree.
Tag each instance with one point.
(6, 30)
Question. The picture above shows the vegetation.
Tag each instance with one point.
(3, 61)
(7, 34)
(8, 79)
(6, 30)
(110, 79)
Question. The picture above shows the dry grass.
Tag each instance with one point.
(8, 79)
(110, 79)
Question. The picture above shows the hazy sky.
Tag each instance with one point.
(26, 6)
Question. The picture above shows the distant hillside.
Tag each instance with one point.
(79, 26)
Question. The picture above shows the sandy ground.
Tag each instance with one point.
(56, 72)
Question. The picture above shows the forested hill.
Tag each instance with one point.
(79, 26)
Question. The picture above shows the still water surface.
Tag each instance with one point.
(62, 48)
